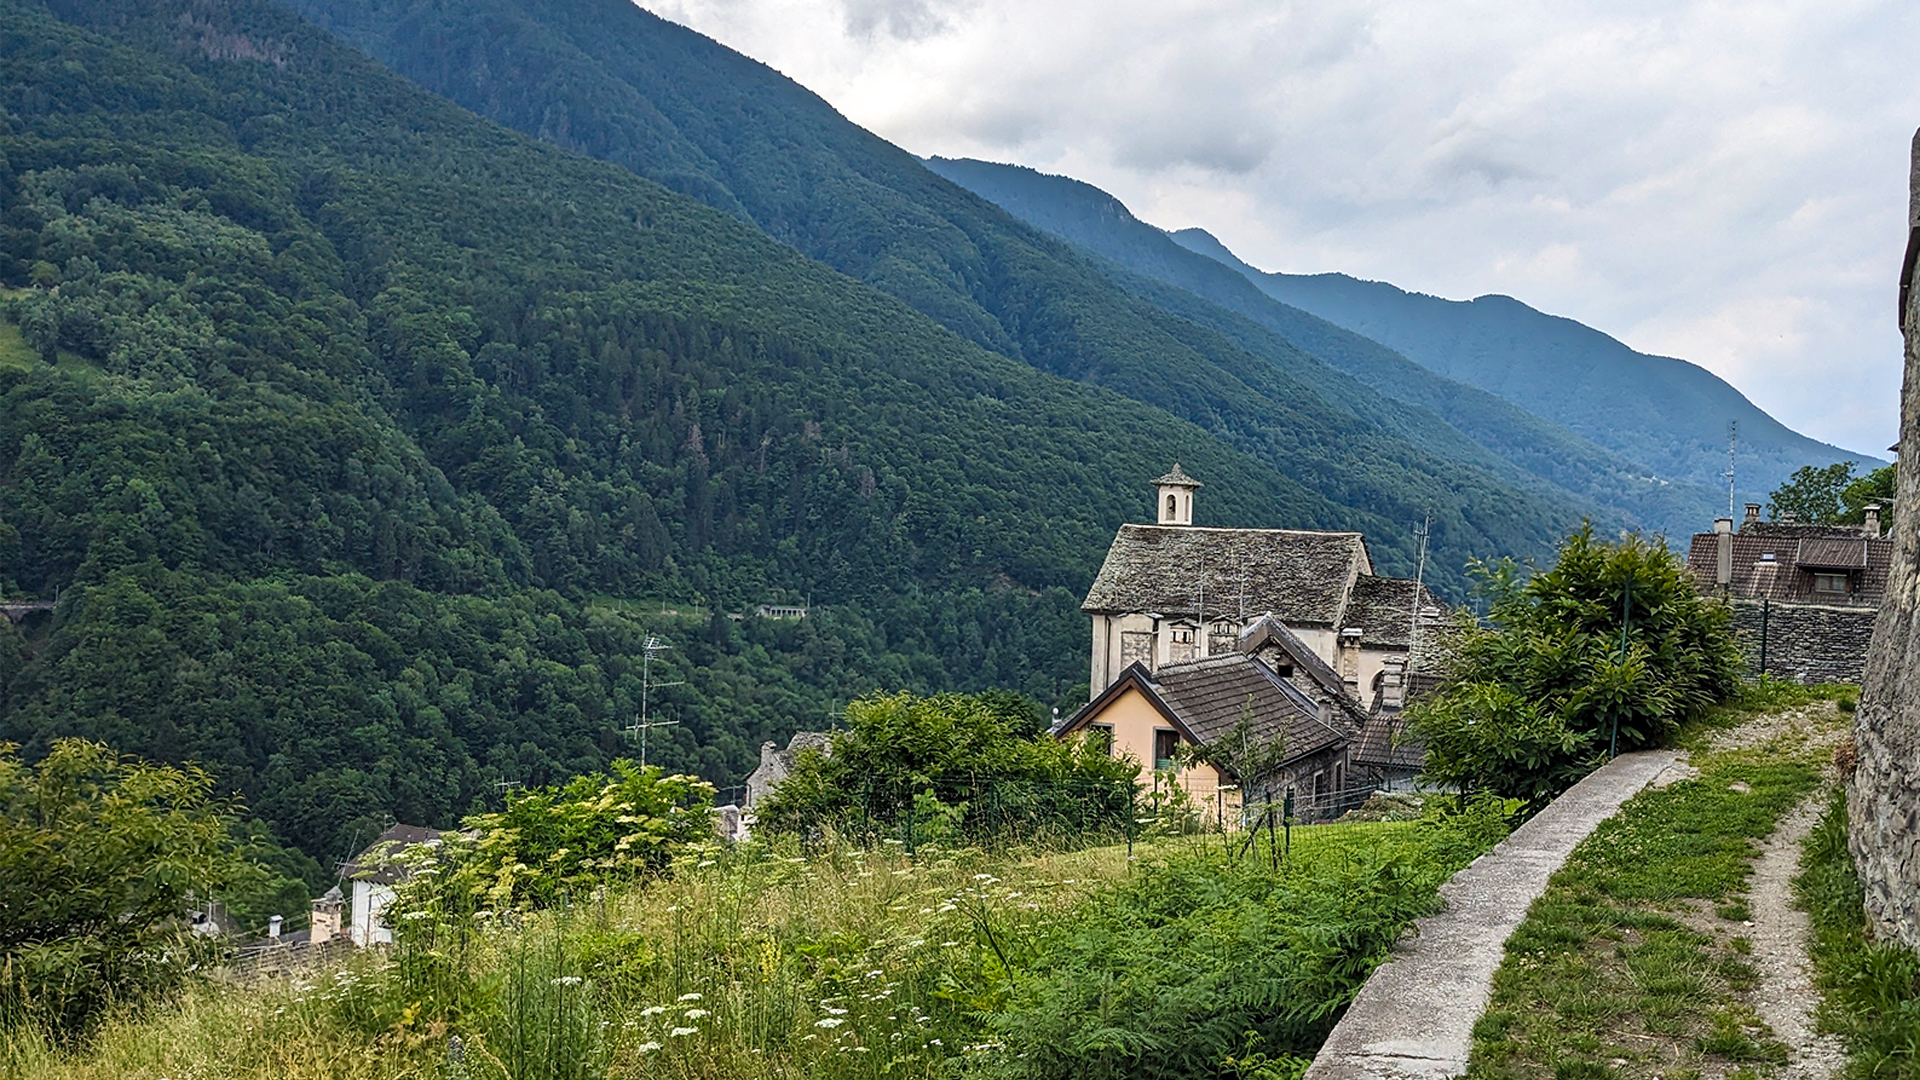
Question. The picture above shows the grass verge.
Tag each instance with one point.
(841, 963)
(1633, 963)
(1870, 992)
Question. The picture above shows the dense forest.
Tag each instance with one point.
(363, 442)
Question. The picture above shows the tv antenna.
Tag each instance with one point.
(1733, 441)
(647, 686)
(1419, 581)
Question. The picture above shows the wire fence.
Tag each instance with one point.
(1078, 812)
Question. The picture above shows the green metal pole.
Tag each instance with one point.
(1626, 620)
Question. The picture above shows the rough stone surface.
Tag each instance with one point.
(1414, 1018)
(1883, 800)
(1804, 643)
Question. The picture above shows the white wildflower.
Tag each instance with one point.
(697, 1014)
(653, 1010)
(688, 997)
(829, 1022)
(682, 1032)
(648, 1047)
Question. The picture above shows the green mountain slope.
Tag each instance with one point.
(366, 402)
(1091, 218)
(608, 79)
(1668, 413)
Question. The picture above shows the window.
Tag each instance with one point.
(1285, 671)
(1165, 742)
(1102, 736)
(1182, 635)
(1170, 512)
(1830, 583)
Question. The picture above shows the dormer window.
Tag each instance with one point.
(1183, 635)
(1830, 584)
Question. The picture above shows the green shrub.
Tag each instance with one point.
(1613, 647)
(947, 768)
(101, 858)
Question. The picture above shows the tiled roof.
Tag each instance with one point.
(1382, 607)
(1210, 696)
(1298, 575)
(1768, 563)
(1383, 743)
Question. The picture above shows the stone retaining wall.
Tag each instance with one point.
(1805, 643)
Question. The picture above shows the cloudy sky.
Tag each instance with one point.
(1719, 181)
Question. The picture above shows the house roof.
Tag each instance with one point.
(375, 861)
(1268, 629)
(1776, 562)
(1383, 608)
(1177, 478)
(1299, 575)
(1205, 699)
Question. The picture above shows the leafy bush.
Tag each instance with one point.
(567, 840)
(949, 766)
(1536, 698)
(100, 858)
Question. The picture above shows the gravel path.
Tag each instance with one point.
(1786, 996)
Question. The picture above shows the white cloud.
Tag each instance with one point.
(1714, 180)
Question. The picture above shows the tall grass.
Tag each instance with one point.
(762, 961)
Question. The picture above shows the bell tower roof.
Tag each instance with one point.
(1176, 478)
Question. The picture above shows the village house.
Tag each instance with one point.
(374, 872)
(1195, 628)
(1804, 597)
(1172, 591)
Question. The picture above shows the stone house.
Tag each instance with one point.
(777, 764)
(373, 874)
(1173, 592)
(1804, 597)
(1150, 713)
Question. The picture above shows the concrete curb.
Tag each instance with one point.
(1414, 1018)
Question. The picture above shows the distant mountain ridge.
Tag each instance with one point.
(1559, 369)
(1094, 220)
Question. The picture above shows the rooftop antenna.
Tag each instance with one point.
(1419, 581)
(647, 685)
(1733, 441)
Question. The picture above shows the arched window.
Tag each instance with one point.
(1170, 511)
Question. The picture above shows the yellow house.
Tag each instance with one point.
(1149, 714)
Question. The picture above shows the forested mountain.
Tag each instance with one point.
(608, 79)
(1668, 413)
(1086, 216)
(376, 433)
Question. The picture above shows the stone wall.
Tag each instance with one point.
(1805, 643)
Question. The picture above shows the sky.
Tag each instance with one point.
(1724, 182)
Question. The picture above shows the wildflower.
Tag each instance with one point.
(916, 943)
(704, 863)
(653, 1010)
(688, 997)
(682, 1032)
(829, 1021)
(831, 1011)
(697, 1014)
(567, 980)
(648, 1047)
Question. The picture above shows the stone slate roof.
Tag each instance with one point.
(1178, 478)
(1383, 745)
(1382, 607)
(1832, 554)
(1209, 696)
(1785, 576)
(375, 863)
(1269, 629)
(1298, 575)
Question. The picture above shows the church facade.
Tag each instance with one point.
(1173, 592)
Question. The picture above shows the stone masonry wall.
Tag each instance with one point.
(1806, 643)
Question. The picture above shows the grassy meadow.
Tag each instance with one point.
(765, 961)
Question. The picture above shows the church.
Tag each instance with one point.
(1173, 592)
(1196, 631)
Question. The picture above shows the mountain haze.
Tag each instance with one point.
(1668, 413)
(1096, 221)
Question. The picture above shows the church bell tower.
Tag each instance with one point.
(1175, 497)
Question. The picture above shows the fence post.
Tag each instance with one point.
(1133, 820)
(1766, 605)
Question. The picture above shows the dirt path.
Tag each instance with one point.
(1780, 934)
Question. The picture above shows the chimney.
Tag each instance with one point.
(1723, 552)
(1393, 683)
(1872, 528)
(273, 930)
(1787, 518)
(1753, 515)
